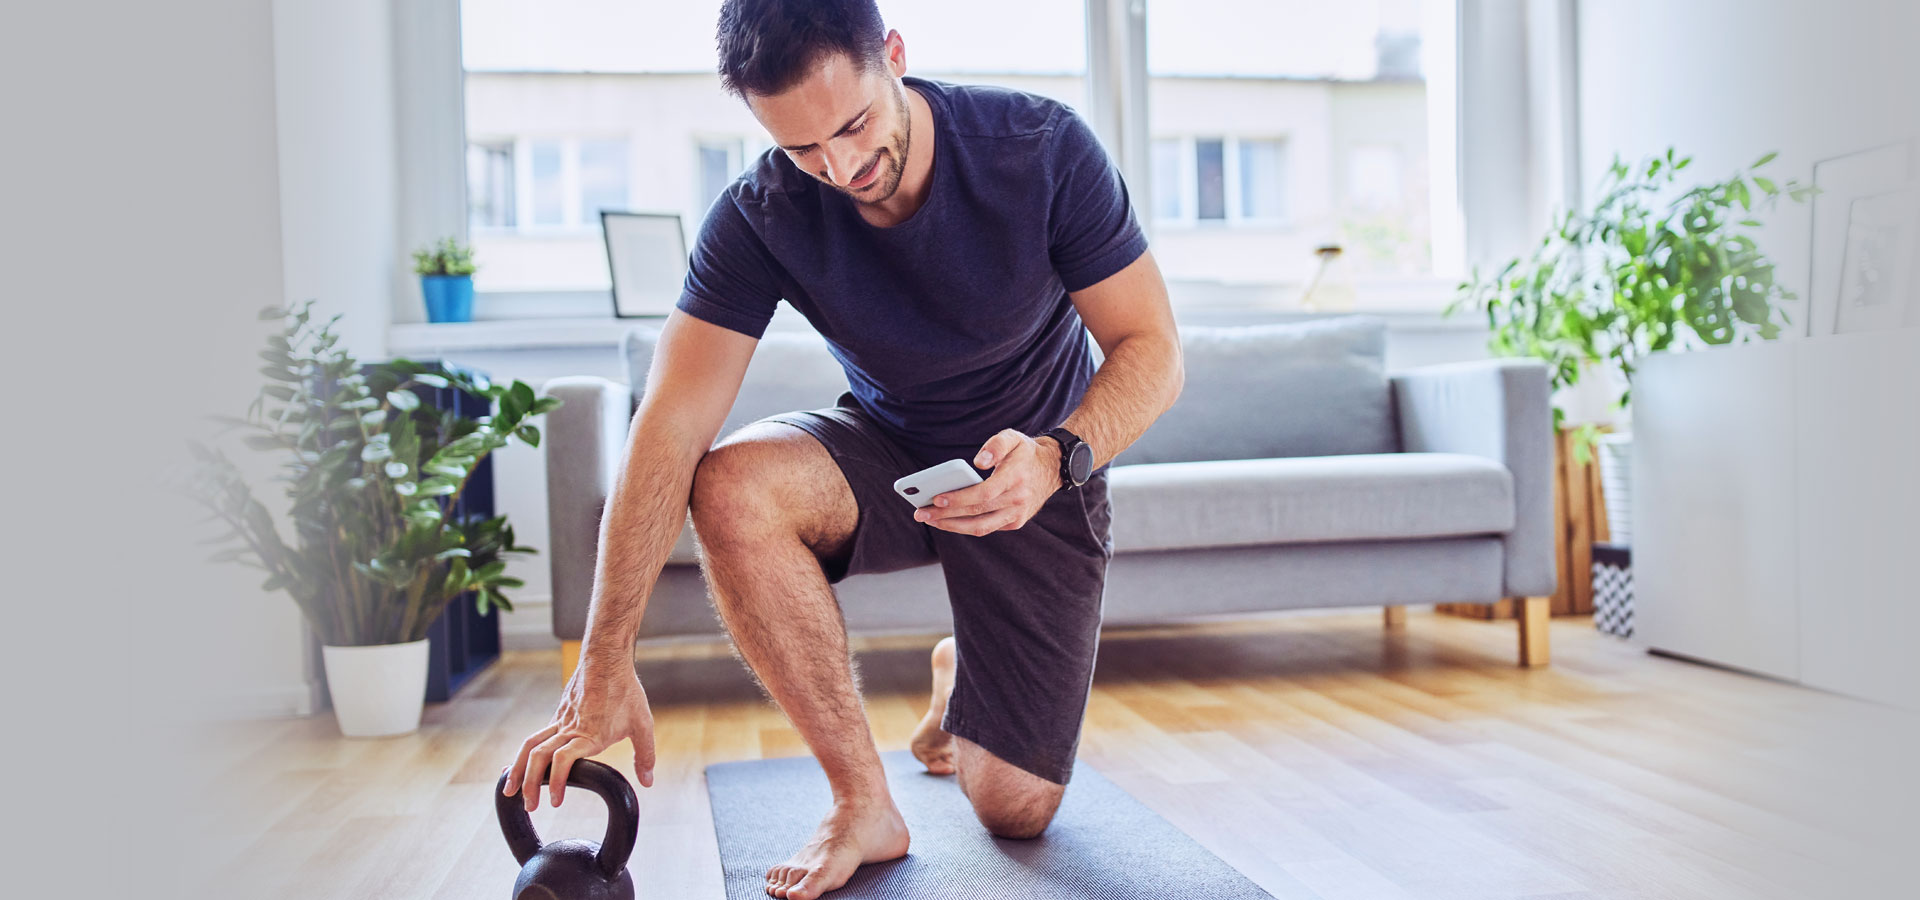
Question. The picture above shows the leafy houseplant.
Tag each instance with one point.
(446, 280)
(1636, 275)
(374, 477)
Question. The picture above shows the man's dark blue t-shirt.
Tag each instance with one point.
(955, 323)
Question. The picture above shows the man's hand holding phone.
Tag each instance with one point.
(600, 707)
(1026, 472)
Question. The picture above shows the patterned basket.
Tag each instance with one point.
(1613, 589)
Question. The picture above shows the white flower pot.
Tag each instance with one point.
(1616, 484)
(377, 690)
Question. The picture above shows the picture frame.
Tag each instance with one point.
(646, 260)
(1841, 180)
(1876, 272)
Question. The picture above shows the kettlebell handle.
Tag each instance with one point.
(623, 814)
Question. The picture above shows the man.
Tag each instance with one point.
(954, 245)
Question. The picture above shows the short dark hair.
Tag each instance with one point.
(767, 46)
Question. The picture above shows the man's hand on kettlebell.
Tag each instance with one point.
(598, 708)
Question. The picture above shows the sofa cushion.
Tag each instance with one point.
(1288, 389)
(790, 370)
(1376, 496)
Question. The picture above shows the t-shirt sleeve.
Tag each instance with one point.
(730, 280)
(1092, 231)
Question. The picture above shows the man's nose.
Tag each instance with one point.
(842, 164)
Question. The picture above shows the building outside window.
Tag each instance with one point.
(1302, 124)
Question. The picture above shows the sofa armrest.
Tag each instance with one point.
(585, 439)
(1500, 409)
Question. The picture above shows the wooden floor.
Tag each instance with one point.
(1321, 755)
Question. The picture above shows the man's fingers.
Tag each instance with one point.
(996, 448)
(519, 769)
(971, 495)
(978, 525)
(537, 766)
(563, 760)
(643, 756)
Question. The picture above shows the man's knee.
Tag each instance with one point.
(726, 498)
(1011, 802)
(1016, 816)
(766, 481)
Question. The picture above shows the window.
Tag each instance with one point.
(490, 192)
(1302, 124)
(1275, 126)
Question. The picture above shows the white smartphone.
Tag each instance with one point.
(921, 487)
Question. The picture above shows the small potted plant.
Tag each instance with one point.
(373, 477)
(446, 280)
(1638, 273)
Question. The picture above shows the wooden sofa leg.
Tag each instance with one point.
(1535, 613)
(1394, 617)
(569, 659)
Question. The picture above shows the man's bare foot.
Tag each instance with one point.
(848, 838)
(932, 746)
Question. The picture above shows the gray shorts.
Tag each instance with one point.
(1026, 603)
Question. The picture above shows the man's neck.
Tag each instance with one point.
(917, 181)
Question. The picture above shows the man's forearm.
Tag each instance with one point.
(1137, 382)
(645, 512)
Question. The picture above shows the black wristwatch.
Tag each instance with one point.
(1076, 457)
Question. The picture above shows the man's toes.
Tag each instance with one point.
(809, 887)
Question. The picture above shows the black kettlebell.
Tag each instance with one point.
(573, 870)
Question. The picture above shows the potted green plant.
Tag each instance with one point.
(1644, 270)
(446, 280)
(373, 478)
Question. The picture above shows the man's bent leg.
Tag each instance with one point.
(1026, 612)
(1010, 801)
(768, 504)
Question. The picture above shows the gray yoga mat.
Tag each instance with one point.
(1102, 845)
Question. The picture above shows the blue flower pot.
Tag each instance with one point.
(449, 297)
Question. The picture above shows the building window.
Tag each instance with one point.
(490, 191)
(1263, 180)
(548, 183)
(1220, 180)
(720, 163)
(1210, 170)
(603, 179)
(1169, 194)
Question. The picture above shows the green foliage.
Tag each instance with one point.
(371, 476)
(1634, 276)
(449, 257)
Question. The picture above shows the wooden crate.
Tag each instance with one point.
(1580, 519)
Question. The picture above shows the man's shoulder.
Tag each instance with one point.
(994, 112)
(770, 177)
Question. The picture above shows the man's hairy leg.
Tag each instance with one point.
(767, 504)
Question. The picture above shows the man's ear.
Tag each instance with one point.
(896, 51)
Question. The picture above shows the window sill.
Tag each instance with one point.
(421, 340)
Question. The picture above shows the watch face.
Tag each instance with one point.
(1082, 463)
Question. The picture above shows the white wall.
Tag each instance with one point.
(1728, 80)
(143, 194)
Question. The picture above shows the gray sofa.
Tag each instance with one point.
(1294, 471)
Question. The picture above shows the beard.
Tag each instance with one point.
(892, 158)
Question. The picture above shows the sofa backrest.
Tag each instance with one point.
(1286, 389)
(790, 370)
(1252, 391)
